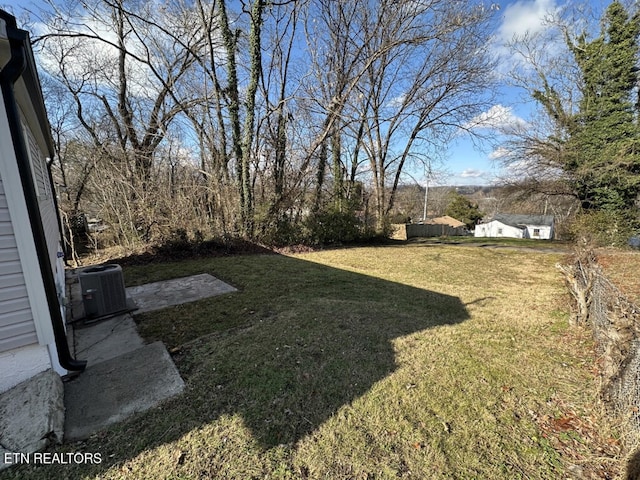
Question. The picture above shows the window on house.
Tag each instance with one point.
(536, 232)
(499, 231)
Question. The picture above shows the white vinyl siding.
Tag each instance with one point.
(497, 230)
(542, 232)
(44, 190)
(40, 177)
(17, 327)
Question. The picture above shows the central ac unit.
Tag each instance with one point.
(103, 291)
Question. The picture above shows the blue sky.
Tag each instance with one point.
(467, 161)
(476, 163)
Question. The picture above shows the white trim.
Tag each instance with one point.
(55, 362)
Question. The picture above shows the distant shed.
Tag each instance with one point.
(437, 227)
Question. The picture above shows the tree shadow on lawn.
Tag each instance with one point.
(321, 340)
(292, 370)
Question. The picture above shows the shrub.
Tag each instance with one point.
(333, 227)
(281, 233)
(603, 228)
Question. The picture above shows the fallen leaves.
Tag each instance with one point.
(576, 437)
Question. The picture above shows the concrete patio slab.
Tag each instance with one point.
(113, 390)
(154, 296)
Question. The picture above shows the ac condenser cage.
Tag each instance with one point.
(103, 290)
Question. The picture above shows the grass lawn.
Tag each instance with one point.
(415, 361)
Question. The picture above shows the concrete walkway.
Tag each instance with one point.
(154, 296)
(124, 375)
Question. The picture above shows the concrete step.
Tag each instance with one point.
(114, 389)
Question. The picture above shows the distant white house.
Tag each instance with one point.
(517, 226)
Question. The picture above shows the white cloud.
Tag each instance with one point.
(90, 49)
(88, 46)
(470, 176)
(521, 19)
(499, 153)
(397, 101)
(472, 173)
(520, 167)
(497, 117)
(525, 17)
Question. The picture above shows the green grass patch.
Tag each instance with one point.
(414, 361)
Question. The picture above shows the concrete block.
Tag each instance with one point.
(31, 415)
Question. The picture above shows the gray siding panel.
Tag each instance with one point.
(9, 255)
(12, 293)
(11, 280)
(6, 228)
(17, 341)
(14, 305)
(50, 224)
(10, 266)
(8, 241)
(16, 320)
(44, 190)
(17, 328)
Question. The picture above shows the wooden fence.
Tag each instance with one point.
(412, 230)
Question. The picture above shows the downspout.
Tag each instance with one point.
(18, 39)
(65, 250)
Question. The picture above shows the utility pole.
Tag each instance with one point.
(427, 172)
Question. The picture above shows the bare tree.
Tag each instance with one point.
(122, 73)
(400, 77)
(247, 115)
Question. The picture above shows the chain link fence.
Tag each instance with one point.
(615, 321)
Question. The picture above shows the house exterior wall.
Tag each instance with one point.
(17, 326)
(31, 391)
(43, 190)
(497, 230)
(544, 232)
(47, 206)
(27, 341)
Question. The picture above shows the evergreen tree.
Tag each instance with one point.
(461, 208)
(598, 146)
(603, 147)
